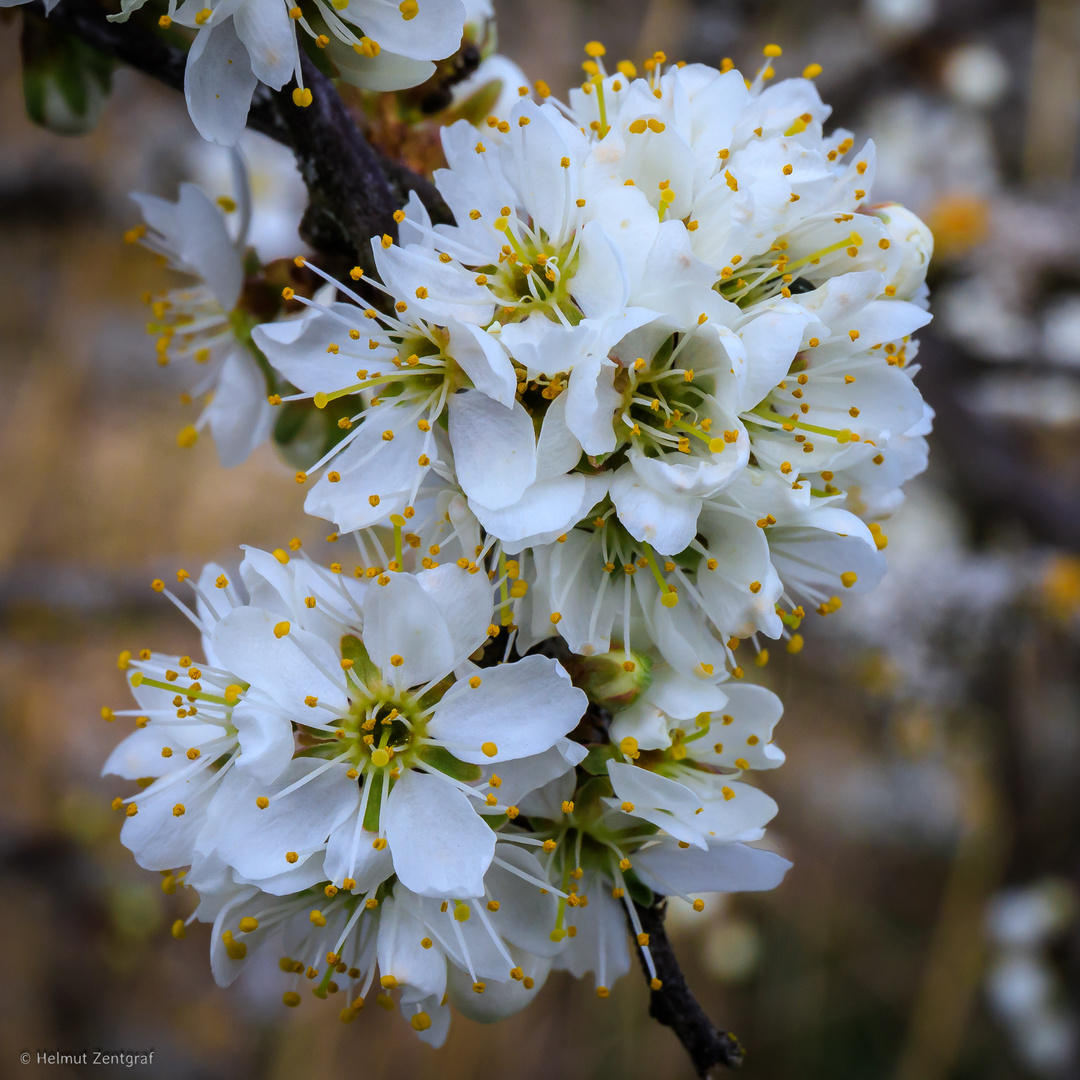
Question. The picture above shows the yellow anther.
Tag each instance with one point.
(629, 746)
(420, 1021)
(281, 629)
(628, 807)
(187, 436)
(291, 856)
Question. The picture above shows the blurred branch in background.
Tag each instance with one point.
(1053, 121)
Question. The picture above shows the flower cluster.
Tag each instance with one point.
(650, 395)
(340, 781)
(665, 354)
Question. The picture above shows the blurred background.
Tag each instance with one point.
(931, 797)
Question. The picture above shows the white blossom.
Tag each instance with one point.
(202, 325)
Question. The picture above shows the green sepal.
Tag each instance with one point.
(596, 760)
(438, 757)
(639, 892)
(66, 83)
(352, 648)
(371, 812)
(588, 804)
(304, 434)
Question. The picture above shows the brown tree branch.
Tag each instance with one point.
(674, 1004)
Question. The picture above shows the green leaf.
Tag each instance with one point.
(66, 83)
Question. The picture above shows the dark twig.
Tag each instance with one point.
(349, 198)
(675, 1006)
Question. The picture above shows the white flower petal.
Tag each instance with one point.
(401, 954)
(378, 476)
(548, 509)
(441, 847)
(499, 999)
(600, 286)
(600, 942)
(667, 522)
(268, 33)
(285, 669)
(722, 868)
(522, 708)
(433, 33)
(494, 448)
(158, 838)
(218, 83)
(771, 342)
(298, 348)
(350, 854)
(255, 841)
(402, 620)
(266, 742)
(239, 415)
(484, 360)
(465, 601)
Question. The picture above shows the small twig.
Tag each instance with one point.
(674, 1004)
(349, 198)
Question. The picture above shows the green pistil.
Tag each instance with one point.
(321, 400)
(842, 436)
(191, 695)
